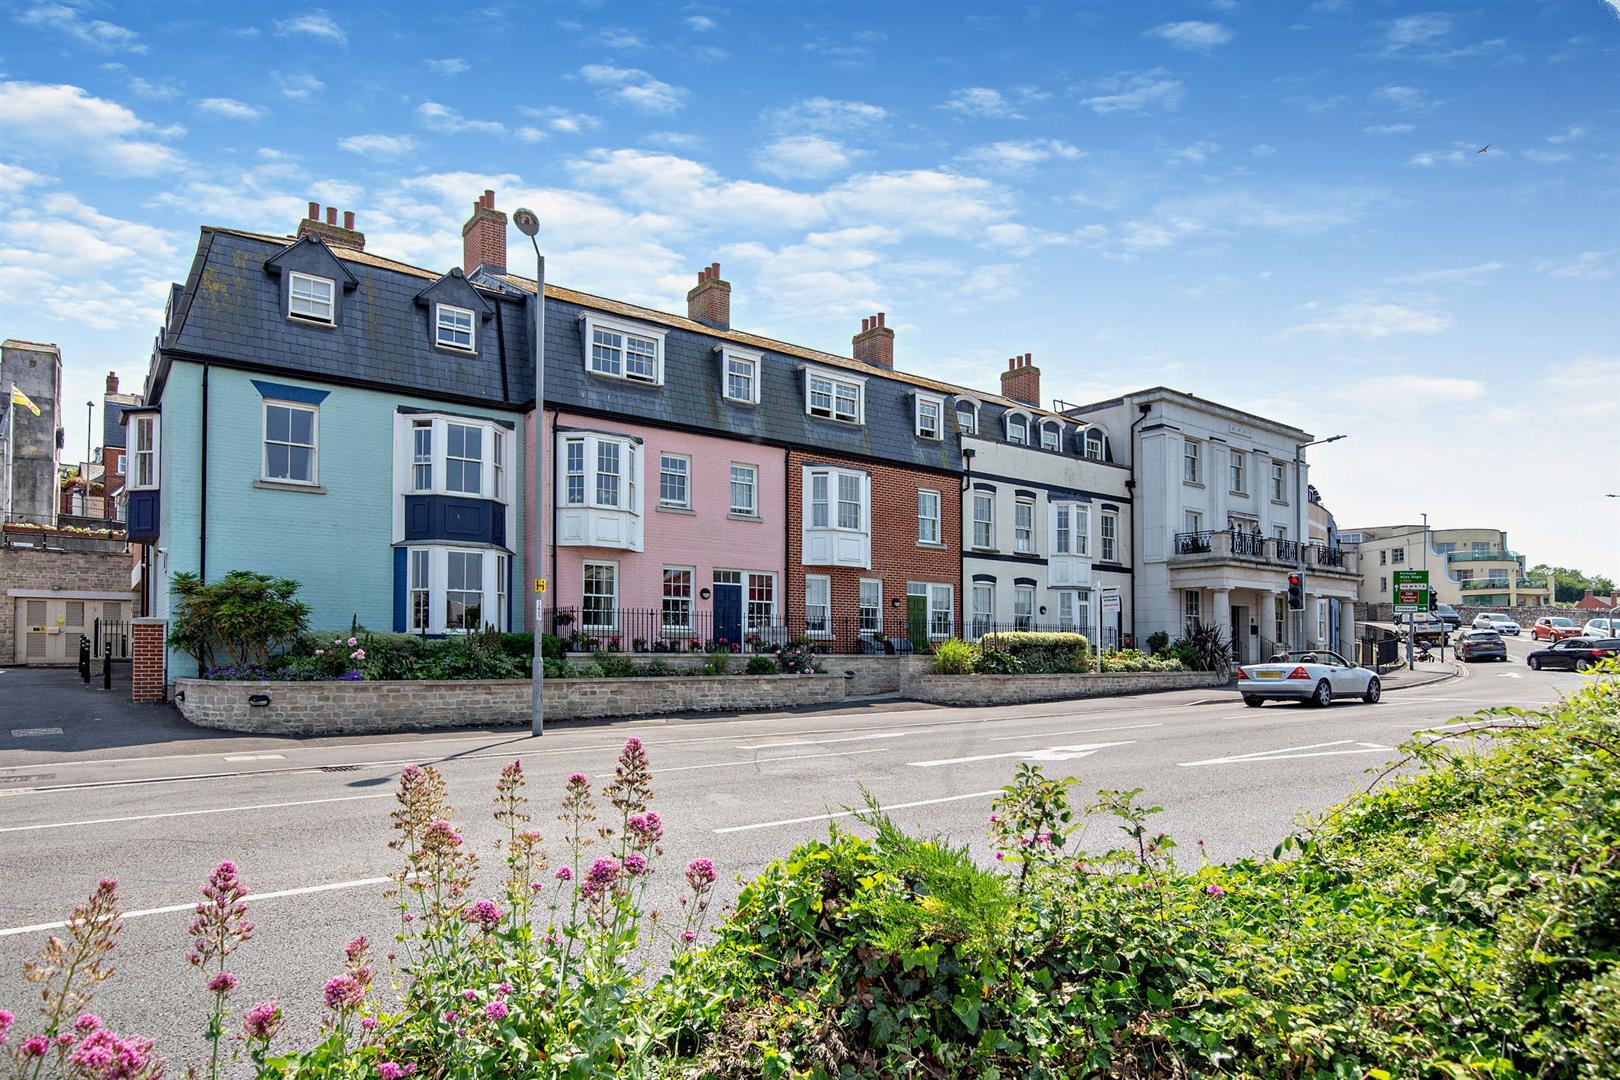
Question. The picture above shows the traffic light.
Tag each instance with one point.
(1434, 601)
(1296, 592)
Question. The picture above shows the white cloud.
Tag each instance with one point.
(1459, 154)
(634, 87)
(97, 33)
(450, 65)
(564, 120)
(379, 146)
(230, 108)
(1408, 99)
(1568, 135)
(1016, 156)
(810, 156)
(1386, 389)
(982, 101)
(699, 22)
(155, 91)
(1374, 320)
(1262, 150)
(1410, 30)
(317, 24)
(1586, 266)
(619, 38)
(1458, 275)
(1389, 129)
(1548, 157)
(673, 140)
(1192, 35)
(67, 122)
(1136, 92)
(828, 116)
(298, 85)
(921, 200)
(448, 121)
(1200, 152)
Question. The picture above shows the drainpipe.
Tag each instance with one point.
(540, 433)
(1136, 524)
(961, 548)
(202, 488)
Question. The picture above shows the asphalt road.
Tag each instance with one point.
(306, 820)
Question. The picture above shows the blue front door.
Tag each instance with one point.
(728, 614)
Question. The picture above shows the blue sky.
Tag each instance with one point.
(1277, 206)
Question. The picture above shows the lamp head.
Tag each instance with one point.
(527, 222)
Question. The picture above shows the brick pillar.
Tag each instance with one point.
(147, 660)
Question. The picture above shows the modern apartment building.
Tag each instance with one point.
(1220, 503)
(1466, 566)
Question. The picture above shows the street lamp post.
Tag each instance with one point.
(528, 224)
(1300, 496)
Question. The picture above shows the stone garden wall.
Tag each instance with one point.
(979, 690)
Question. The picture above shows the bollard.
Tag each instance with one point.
(84, 659)
(106, 668)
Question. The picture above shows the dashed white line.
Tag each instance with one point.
(1045, 753)
(192, 813)
(827, 742)
(766, 761)
(851, 813)
(1076, 731)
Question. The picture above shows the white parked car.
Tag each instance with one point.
(1495, 620)
(1317, 676)
(1601, 628)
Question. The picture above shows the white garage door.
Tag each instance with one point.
(49, 628)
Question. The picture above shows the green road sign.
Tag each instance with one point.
(1411, 591)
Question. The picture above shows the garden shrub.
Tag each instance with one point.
(761, 665)
(561, 669)
(719, 660)
(662, 668)
(796, 658)
(244, 619)
(994, 661)
(954, 657)
(1044, 652)
(615, 665)
(1157, 641)
(1132, 660)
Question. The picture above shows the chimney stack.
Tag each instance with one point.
(344, 235)
(1022, 380)
(875, 343)
(483, 238)
(112, 382)
(709, 301)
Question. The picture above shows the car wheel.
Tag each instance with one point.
(1583, 664)
(1323, 697)
(1535, 664)
(1253, 702)
(1375, 690)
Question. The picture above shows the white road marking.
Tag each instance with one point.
(823, 742)
(851, 813)
(33, 732)
(1508, 675)
(1076, 731)
(255, 757)
(1047, 753)
(192, 904)
(766, 761)
(1288, 752)
(193, 813)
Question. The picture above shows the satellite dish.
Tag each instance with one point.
(526, 221)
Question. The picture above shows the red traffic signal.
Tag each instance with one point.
(1296, 592)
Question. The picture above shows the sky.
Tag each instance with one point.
(1283, 207)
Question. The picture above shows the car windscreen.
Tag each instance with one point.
(1485, 635)
(1560, 622)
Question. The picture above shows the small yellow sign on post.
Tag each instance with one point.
(539, 584)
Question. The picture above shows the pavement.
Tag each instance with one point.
(132, 792)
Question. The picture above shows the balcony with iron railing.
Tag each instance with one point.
(1502, 584)
(1245, 546)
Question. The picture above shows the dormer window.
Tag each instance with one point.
(930, 417)
(1018, 429)
(967, 418)
(834, 397)
(312, 298)
(454, 328)
(739, 375)
(622, 350)
(1096, 445)
(1051, 436)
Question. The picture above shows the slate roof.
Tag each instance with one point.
(112, 418)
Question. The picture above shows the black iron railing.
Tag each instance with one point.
(1193, 543)
(589, 628)
(1251, 544)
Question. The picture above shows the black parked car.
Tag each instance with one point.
(1574, 654)
(1481, 645)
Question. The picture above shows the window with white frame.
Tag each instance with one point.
(497, 447)
(1062, 529)
(1383, 582)
(118, 465)
(1397, 555)
(1280, 531)
(837, 519)
(311, 298)
(1280, 618)
(420, 615)
(1051, 436)
(1240, 481)
(677, 598)
(421, 455)
(1082, 529)
(871, 606)
(1018, 429)
(624, 350)
(1065, 612)
(1095, 445)
(290, 432)
(817, 605)
(600, 597)
(464, 458)
(453, 327)
(745, 490)
(927, 517)
(1109, 536)
(503, 564)
(851, 501)
(1082, 610)
(1192, 521)
(984, 607)
(967, 417)
(761, 600)
(1191, 610)
(1279, 481)
(464, 591)
(1023, 607)
(834, 397)
(984, 519)
(1024, 526)
(574, 472)
(145, 444)
(741, 370)
(941, 622)
(609, 457)
(675, 481)
(1192, 461)
(930, 417)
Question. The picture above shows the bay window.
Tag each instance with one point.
(445, 455)
(449, 590)
(623, 350)
(837, 517)
(464, 590)
(599, 477)
(146, 453)
(464, 459)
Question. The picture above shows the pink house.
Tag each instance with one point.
(660, 538)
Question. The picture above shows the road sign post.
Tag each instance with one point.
(1411, 597)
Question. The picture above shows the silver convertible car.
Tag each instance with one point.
(1317, 676)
